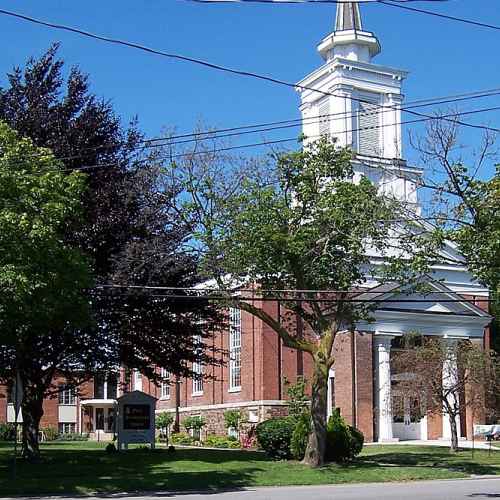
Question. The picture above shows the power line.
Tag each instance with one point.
(265, 143)
(392, 3)
(279, 141)
(214, 66)
(261, 291)
(277, 2)
(277, 125)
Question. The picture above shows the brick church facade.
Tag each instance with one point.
(366, 100)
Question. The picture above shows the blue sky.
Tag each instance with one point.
(443, 57)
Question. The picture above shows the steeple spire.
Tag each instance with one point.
(349, 40)
(348, 17)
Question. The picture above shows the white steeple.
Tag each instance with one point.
(349, 40)
(357, 103)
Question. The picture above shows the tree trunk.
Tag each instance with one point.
(32, 411)
(316, 446)
(454, 433)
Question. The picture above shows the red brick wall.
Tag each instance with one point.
(434, 426)
(3, 403)
(364, 384)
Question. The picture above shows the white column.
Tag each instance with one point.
(383, 387)
(331, 376)
(450, 374)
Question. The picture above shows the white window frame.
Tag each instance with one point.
(234, 349)
(67, 395)
(67, 428)
(137, 380)
(198, 382)
(165, 385)
(372, 103)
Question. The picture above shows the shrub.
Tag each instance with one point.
(343, 442)
(182, 438)
(73, 437)
(164, 420)
(7, 432)
(221, 442)
(274, 436)
(110, 448)
(194, 424)
(298, 400)
(232, 420)
(50, 433)
(300, 436)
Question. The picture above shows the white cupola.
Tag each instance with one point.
(349, 41)
(358, 104)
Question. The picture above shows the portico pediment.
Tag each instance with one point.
(437, 311)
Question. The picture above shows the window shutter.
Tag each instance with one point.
(324, 116)
(369, 130)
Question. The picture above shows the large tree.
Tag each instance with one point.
(128, 238)
(300, 224)
(42, 278)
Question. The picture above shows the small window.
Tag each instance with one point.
(198, 379)
(67, 428)
(165, 384)
(67, 395)
(137, 380)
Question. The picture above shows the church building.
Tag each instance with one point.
(358, 102)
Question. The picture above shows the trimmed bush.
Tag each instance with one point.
(274, 436)
(182, 439)
(72, 437)
(343, 442)
(50, 433)
(110, 448)
(213, 441)
(300, 436)
(7, 432)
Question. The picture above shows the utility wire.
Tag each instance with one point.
(277, 125)
(392, 3)
(262, 143)
(271, 142)
(214, 66)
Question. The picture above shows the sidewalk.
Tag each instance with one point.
(478, 445)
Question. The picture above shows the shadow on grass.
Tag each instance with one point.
(461, 461)
(83, 472)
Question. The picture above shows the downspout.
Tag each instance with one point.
(354, 380)
(280, 356)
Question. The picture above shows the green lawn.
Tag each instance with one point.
(85, 468)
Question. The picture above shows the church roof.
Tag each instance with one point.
(348, 17)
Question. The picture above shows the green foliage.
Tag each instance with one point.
(298, 400)
(182, 439)
(232, 419)
(7, 432)
(50, 433)
(164, 420)
(343, 441)
(73, 436)
(274, 436)
(195, 423)
(300, 436)
(221, 442)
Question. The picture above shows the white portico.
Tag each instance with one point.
(357, 103)
(443, 314)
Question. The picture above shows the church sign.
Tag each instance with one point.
(136, 419)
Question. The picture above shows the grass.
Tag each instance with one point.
(85, 468)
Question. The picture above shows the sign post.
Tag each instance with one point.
(18, 399)
(136, 419)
